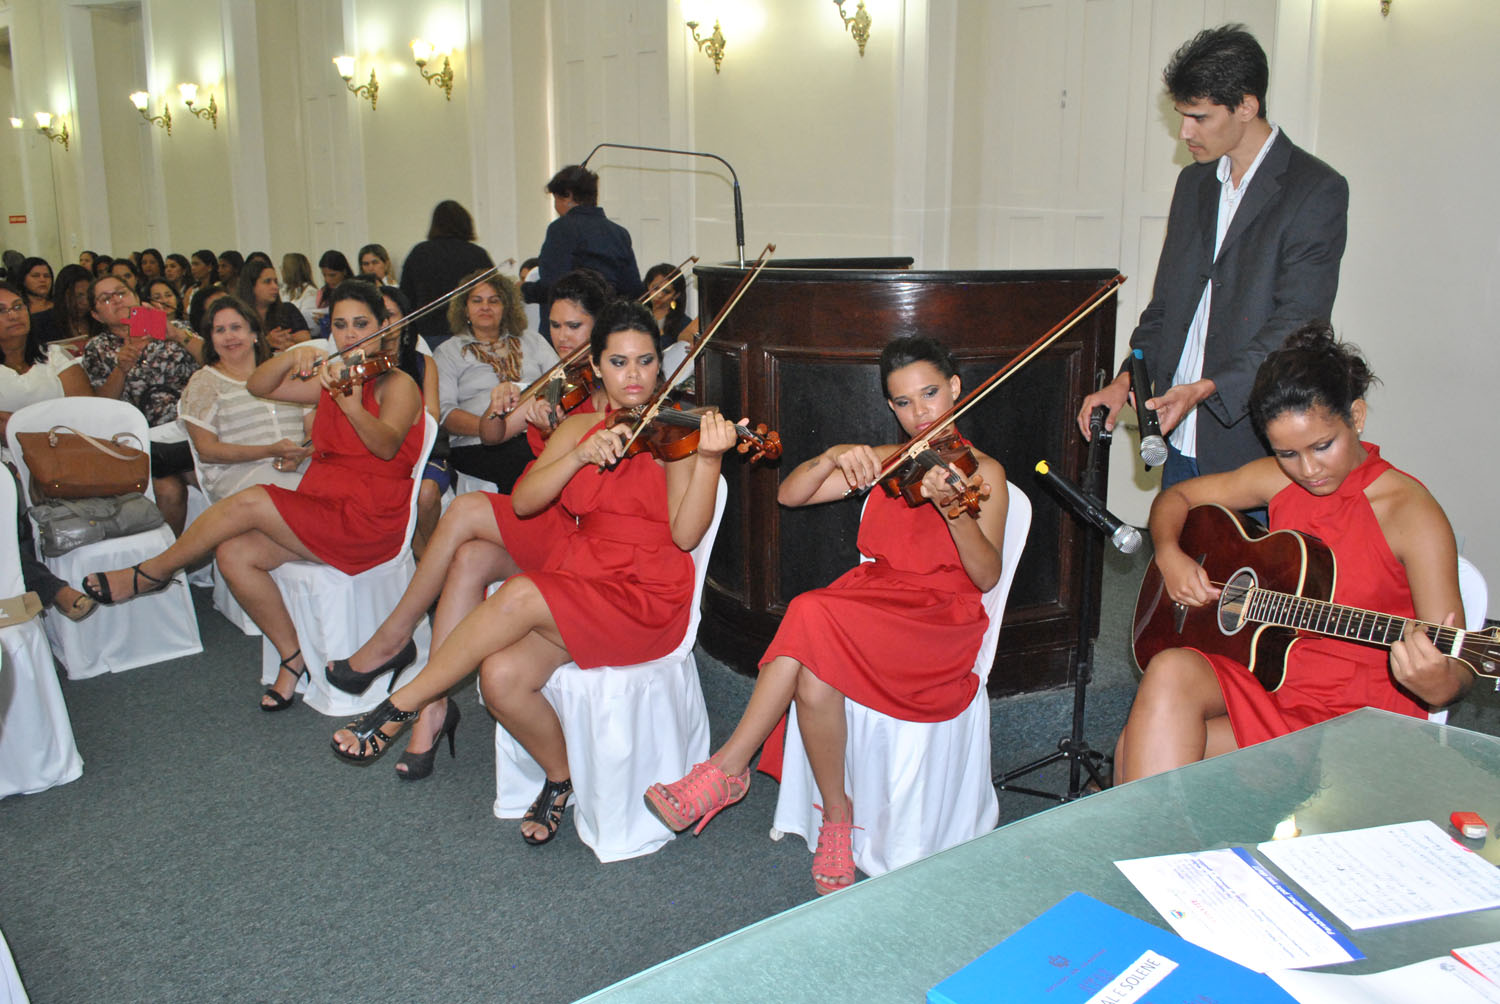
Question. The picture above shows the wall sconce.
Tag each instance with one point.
(1385, 8)
(346, 70)
(141, 99)
(712, 46)
(15, 123)
(189, 94)
(44, 126)
(422, 51)
(858, 25)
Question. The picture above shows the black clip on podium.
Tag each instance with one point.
(1073, 747)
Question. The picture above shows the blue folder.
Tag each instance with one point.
(1082, 950)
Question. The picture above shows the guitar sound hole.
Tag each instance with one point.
(1233, 599)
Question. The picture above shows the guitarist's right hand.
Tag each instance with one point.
(1185, 580)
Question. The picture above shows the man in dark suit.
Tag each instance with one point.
(1254, 238)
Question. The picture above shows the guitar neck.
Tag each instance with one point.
(1338, 621)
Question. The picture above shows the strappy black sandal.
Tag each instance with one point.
(366, 728)
(99, 592)
(548, 808)
(278, 702)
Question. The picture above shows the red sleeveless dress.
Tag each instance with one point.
(530, 540)
(618, 587)
(898, 634)
(1327, 677)
(351, 508)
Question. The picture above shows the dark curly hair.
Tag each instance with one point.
(1312, 369)
(1221, 64)
(908, 349)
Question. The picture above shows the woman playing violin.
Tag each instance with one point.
(898, 634)
(616, 590)
(478, 540)
(350, 510)
(1394, 551)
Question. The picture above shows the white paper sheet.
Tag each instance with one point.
(1442, 980)
(1483, 959)
(1224, 901)
(1388, 874)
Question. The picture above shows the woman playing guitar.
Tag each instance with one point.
(1392, 545)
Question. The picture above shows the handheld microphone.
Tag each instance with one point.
(1153, 446)
(1089, 509)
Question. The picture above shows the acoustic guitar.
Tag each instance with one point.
(1275, 589)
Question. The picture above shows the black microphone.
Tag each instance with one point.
(1153, 446)
(1124, 536)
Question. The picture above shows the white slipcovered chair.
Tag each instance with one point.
(1475, 596)
(336, 613)
(147, 629)
(37, 751)
(11, 990)
(917, 787)
(627, 727)
(224, 601)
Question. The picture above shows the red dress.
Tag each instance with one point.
(1327, 677)
(618, 587)
(530, 540)
(351, 508)
(898, 634)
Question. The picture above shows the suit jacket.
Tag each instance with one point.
(1277, 270)
(585, 238)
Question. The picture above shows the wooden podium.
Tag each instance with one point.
(800, 353)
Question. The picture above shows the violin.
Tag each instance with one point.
(907, 466)
(362, 369)
(672, 434)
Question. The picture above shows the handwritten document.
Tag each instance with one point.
(1483, 959)
(1388, 874)
(1226, 902)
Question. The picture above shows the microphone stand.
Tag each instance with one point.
(739, 206)
(1073, 747)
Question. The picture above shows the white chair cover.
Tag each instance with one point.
(468, 483)
(197, 504)
(918, 787)
(146, 630)
(224, 601)
(336, 613)
(627, 727)
(11, 991)
(37, 751)
(1475, 595)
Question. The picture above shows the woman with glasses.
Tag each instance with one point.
(149, 373)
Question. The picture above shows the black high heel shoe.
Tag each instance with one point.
(548, 808)
(419, 765)
(278, 702)
(351, 681)
(366, 728)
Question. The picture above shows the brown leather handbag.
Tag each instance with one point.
(68, 464)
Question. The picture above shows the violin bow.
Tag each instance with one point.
(650, 411)
(420, 312)
(577, 354)
(923, 442)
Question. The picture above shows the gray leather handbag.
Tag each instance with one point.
(69, 523)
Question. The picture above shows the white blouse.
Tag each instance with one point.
(221, 405)
(42, 382)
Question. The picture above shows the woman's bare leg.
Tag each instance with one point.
(774, 689)
(171, 498)
(501, 621)
(1178, 717)
(511, 682)
(246, 561)
(470, 517)
(251, 509)
(474, 567)
(820, 719)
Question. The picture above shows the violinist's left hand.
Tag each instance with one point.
(939, 485)
(716, 435)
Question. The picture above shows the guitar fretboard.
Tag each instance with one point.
(1336, 620)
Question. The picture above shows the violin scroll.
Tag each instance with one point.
(760, 443)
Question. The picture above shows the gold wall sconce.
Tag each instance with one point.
(423, 52)
(16, 123)
(346, 70)
(1385, 8)
(712, 46)
(189, 93)
(858, 25)
(141, 99)
(44, 126)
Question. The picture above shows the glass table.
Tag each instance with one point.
(895, 936)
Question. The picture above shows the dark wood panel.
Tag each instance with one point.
(800, 352)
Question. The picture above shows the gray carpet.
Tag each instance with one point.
(214, 852)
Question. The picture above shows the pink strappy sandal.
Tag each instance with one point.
(703, 793)
(835, 854)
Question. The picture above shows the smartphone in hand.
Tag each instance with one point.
(147, 322)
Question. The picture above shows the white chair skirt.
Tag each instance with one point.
(37, 751)
(627, 728)
(918, 788)
(336, 614)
